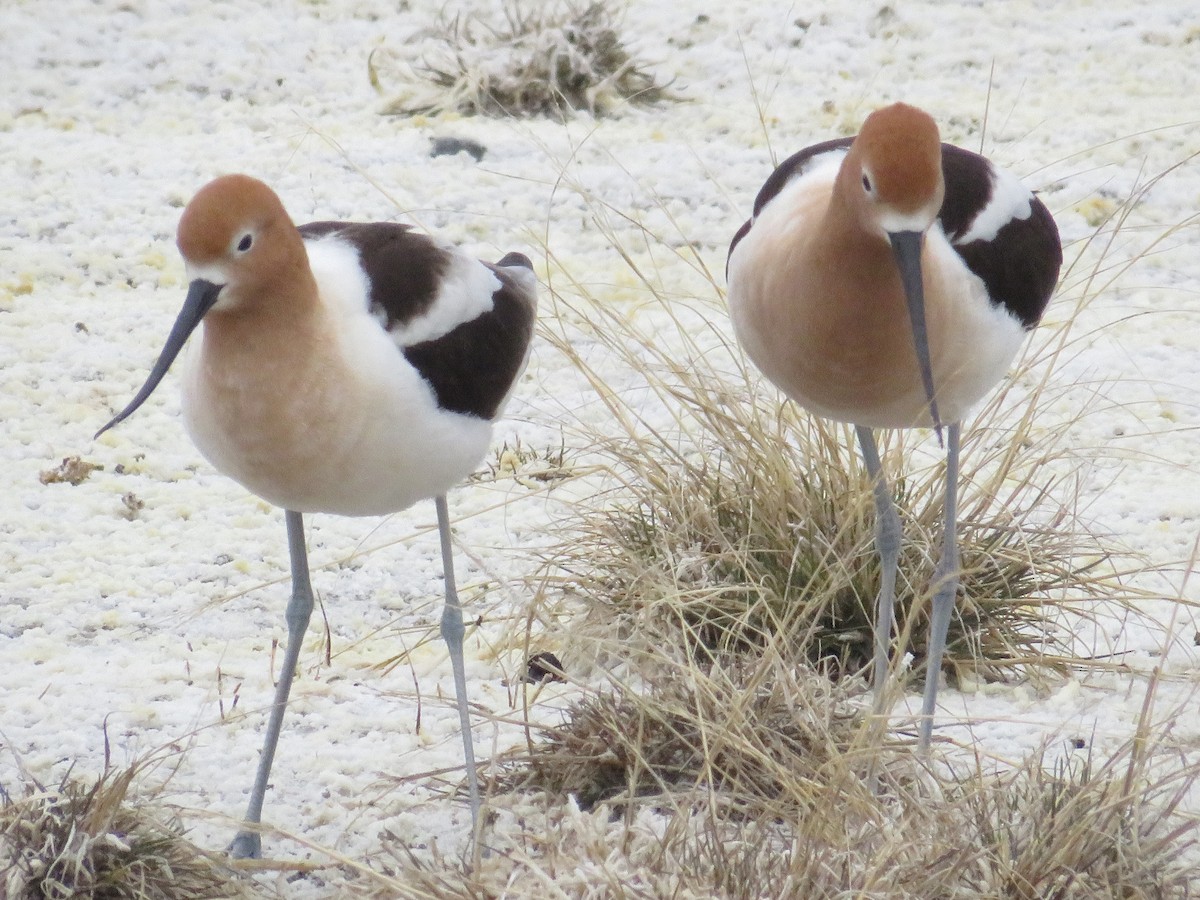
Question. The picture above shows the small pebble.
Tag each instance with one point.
(448, 146)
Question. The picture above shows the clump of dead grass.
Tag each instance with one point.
(540, 60)
(731, 516)
(750, 781)
(81, 839)
(761, 737)
(1083, 826)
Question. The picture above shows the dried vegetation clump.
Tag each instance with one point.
(90, 840)
(729, 517)
(541, 60)
(761, 740)
(762, 781)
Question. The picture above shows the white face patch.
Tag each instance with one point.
(891, 221)
(213, 273)
(1010, 200)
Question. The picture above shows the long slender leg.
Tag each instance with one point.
(247, 843)
(453, 631)
(945, 581)
(887, 545)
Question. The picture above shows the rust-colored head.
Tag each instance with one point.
(235, 233)
(893, 172)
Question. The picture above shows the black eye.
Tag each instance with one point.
(866, 182)
(244, 243)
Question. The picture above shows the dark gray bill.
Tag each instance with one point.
(200, 298)
(906, 247)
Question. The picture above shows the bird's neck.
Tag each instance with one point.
(284, 320)
(856, 265)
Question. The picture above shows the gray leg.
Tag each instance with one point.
(247, 843)
(887, 544)
(945, 582)
(453, 631)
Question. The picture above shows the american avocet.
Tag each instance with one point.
(344, 368)
(887, 280)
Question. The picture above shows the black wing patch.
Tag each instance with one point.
(472, 368)
(1020, 265)
(968, 178)
(404, 266)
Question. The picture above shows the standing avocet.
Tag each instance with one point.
(888, 280)
(349, 368)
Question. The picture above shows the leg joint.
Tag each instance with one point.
(453, 629)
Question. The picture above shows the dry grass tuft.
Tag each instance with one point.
(730, 517)
(542, 60)
(787, 757)
(1082, 827)
(89, 840)
(761, 738)
(756, 783)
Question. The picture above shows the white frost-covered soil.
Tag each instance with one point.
(139, 628)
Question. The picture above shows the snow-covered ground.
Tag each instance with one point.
(138, 609)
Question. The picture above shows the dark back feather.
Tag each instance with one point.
(473, 367)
